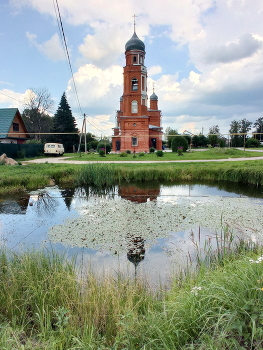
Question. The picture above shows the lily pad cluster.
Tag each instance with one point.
(113, 225)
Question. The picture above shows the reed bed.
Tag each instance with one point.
(45, 303)
(33, 176)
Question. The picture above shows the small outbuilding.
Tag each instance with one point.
(12, 127)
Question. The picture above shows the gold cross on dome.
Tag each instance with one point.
(134, 16)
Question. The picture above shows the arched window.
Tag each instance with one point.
(134, 84)
(134, 107)
(134, 59)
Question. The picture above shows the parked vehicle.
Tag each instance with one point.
(53, 149)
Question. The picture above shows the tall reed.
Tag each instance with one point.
(100, 175)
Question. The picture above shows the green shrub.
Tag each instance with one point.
(141, 154)
(252, 143)
(152, 150)
(179, 141)
(102, 152)
(159, 153)
(128, 151)
(103, 144)
(123, 154)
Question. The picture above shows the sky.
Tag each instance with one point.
(203, 57)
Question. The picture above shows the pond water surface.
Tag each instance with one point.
(147, 229)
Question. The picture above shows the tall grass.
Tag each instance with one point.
(100, 175)
(45, 304)
(35, 176)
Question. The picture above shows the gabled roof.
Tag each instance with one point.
(7, 116)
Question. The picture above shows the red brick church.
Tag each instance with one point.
(137, 127)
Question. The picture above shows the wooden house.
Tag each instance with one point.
(12, 127)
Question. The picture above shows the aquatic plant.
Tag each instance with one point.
(108, 224)
(100, 175)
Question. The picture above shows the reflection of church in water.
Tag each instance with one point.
(131, 192)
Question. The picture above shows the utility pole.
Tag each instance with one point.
(85, 130)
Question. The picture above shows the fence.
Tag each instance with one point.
(21, 150)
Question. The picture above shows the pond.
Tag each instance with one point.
(136, 229)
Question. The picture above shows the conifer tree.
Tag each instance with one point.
(64, 122)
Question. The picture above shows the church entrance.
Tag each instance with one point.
(153, 143)
(118, 145)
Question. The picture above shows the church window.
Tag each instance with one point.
(134, 59)
(143, 83)
(134, 84)
(134, 107)
(134, 141)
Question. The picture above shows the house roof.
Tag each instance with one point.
(6, 118)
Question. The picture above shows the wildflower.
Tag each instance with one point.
(256, 261)
(195, 290)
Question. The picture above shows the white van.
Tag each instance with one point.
(53, 149)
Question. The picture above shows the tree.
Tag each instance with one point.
(259, 128)
(169, 132)
(239, 127)
(64, 122)
(236, 140)
(245, 126)
(199, 141)
(213, 136)
(37, 105)
(179, 141)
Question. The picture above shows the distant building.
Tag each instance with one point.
(137, 127)
(12, 127)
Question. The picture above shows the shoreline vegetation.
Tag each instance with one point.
(48, 304)
(15, 179)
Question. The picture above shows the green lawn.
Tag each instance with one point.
(215, 153)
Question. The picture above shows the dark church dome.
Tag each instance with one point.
(154, 97)
(134, 44)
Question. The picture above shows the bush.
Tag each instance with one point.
(152, 150)
(102, 144)
(123, 154)
(141, 154)
(102, 152)
(93, 144)
(252, 143)
(159, 153)
(179, 141)
(128, 151)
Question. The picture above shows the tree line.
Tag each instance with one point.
(237, 135)
(43, 127)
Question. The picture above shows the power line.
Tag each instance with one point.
(11, 97)
(62, 35)
(63, 39)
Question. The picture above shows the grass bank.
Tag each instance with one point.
(33, 176)
(45, 305)
(214, 153)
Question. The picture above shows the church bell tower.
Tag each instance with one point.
(137, 127)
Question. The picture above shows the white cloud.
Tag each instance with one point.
(11, 99)
(104, 47)
(52, 48)
(154, 70)
(224, 38)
